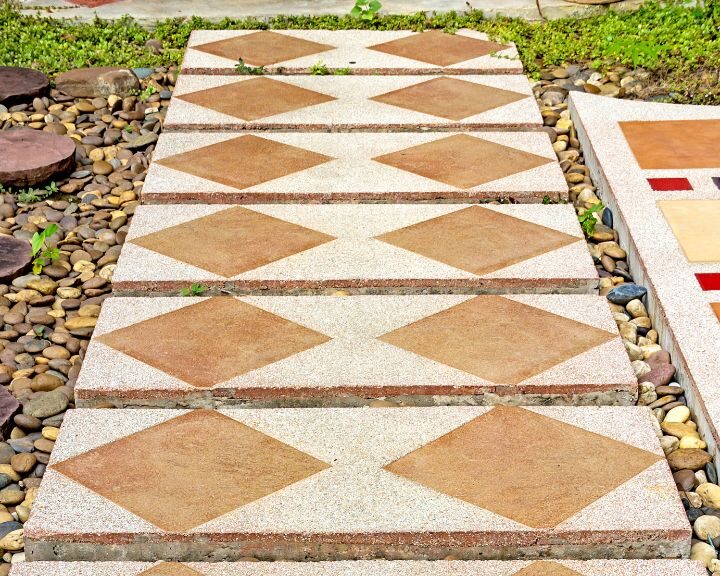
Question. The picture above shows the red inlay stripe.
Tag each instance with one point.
(709, 281)
(667, 184)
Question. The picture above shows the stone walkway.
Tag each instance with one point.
(272, 468)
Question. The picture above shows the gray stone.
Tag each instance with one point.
(47, 404)
(93, 82)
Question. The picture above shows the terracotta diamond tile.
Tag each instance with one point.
(155, 484)
(674, 144)
(462, 161)
(544, 568)
(438, 48)
(497, 339)
(252, 238)
(449, 98)
(263, 48)
(256, 98)
(529, 455)
(716, 308)
(478, 240)
(170, 569)
(695, 225)
(245, 161)
(232, 336)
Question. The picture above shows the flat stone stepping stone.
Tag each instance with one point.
(659, 169)
(334, 483)
(212, 167)
(14, 256)
(21, 85)
(32, 156)
(356, 51)
(368, 568)
(329, 350)
(352, 103)
(397, 247)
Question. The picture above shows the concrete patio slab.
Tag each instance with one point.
(346, 103)
(368, 568)
(396, 248)
(212, 167)
(642, 156)
(360, 51)
(322, 484)
(346, 351)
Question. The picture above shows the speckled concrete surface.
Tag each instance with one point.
(348, 49)
(355, 363)
(356, 256)
(345, 511)
(348, 170)
(369, 568)
(352, 106)
(688, 326)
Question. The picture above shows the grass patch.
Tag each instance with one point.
(677, 43)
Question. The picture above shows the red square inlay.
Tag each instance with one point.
(666, 184)
(709, 281)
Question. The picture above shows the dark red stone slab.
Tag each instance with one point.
(14, 256)
(709, 281)
(9, 406)
(20, 85)
(32, 156)
(667, 184)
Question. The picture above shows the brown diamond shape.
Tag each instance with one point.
(546, 569)
(439, 48)
(232, 241)
(716, 308)
(177, 474)
(263, 48)
(256, 98)
(462, 161)
(497, 339)
(449, 98)
(512, 462)
(478, 240)
(170, 569)
(245, 161)
(230, 337)
(674, 144)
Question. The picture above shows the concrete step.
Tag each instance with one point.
(367, 568)
(358, 483)
(397, 248)
(348, 51)
(216, 167)
(346, 351)
(337, 103)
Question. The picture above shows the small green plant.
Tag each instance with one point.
(546, 200)
(41, 253)
(342, 72)
(32, 195)
(147, 92)
(589, 218)
(242, 68)
(319, 69)
(194, 290)
(640, 53)
(365, 9)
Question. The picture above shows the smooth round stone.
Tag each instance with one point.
(710, 494)
(14, 255)
(625, 293)
(32, 156)
(679, 414)
(691, 458)
(607, 217)
(21, 85)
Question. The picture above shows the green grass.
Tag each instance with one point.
(677, 43)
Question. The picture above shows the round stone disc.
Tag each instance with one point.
(21, 85)
(14, 256)
(32, 156)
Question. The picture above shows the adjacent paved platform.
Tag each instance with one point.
(369, 568)
(398, 248)
(658, 166)
(317, 484)
(340, 103)
(213, 167)
(326, 350)
(360, 51)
